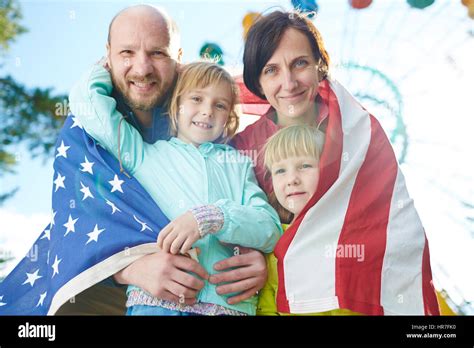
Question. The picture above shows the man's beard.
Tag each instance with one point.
(150, 103)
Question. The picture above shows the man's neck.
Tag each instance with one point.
(145, 118)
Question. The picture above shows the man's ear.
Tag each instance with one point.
(107, 57)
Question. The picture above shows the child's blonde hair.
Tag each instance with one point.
(200, 75)
(291, 141)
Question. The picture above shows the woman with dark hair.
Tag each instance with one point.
(358, 245)
(284, 63)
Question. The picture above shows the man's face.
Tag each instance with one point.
(142, 67)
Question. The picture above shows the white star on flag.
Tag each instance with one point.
(87, 166)
(56, 265)
(114, 208)
(94, 235)
(62, 150)
(70, 225)
(144, 225)
(41, 300)
(85, 190)
(116, 184)
(76, 123)
(47, 234)
(2, 303)
(59, 182)
(32, 277)
(53, 215)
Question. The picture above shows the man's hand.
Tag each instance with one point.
(248, 278)
(179, 235)
(165, 276)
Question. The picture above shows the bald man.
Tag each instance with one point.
(143, 55)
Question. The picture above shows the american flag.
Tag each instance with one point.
(101, 221)
(359, 242)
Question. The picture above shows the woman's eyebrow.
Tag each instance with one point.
(291, 62)
(299, 57)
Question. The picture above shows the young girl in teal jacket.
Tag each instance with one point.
(206, 188)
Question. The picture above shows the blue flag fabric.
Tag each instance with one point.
(102, 221)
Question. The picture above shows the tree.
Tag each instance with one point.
(10, 16)
(28, 116)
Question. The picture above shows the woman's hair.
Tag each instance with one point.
(264, 37)
(201, 75)
(291, 141)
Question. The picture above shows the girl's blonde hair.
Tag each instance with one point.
(200, 75)
(291, 141)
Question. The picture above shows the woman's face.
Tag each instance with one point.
(290, 79)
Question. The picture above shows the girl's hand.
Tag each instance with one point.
(179, 235)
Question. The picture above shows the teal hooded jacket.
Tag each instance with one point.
(180, 176)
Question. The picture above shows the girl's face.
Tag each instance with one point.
(295, 180)
(290, 79)
(203, 113)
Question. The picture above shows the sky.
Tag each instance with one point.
(419, 63)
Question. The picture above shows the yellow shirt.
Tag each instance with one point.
(267, 296)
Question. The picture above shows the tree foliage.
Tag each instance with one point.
(30, 116)
(10, 28)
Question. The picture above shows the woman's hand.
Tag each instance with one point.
(179, 235)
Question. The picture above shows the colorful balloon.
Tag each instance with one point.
(420, 4)
(306, 6)
(248, 21)
(360, 4)
(212, 51)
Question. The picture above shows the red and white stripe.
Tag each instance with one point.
(361, 202)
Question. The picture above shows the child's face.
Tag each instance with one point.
(294, 181)
(203, 113)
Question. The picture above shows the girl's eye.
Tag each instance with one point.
(279, 171)
(196, 99)
(306, 165)
(126, 52)
(221, 106)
